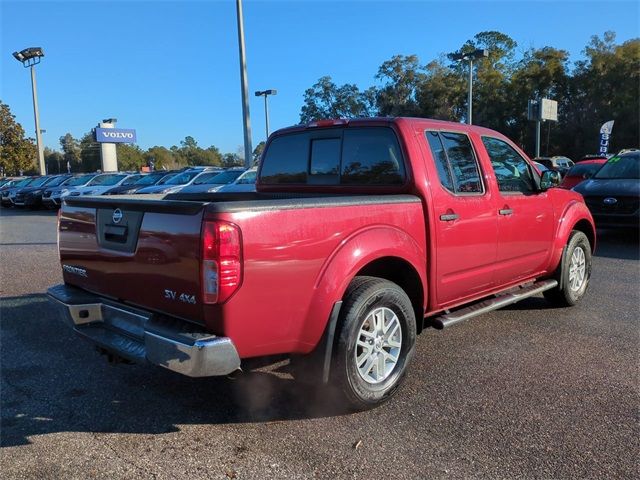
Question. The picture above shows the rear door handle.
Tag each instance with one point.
(505, 211)
(447, 217)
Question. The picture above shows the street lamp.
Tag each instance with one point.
(265, 94)
(470, 57)
(30, 57)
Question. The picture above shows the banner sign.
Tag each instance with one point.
(115, 135)
(605, 134)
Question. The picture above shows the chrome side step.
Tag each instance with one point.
(492, 304)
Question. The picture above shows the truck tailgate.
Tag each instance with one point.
(142, 252)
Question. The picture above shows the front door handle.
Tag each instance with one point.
(505, 211)
(447, 217)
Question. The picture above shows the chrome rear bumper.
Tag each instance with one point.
(141, 336)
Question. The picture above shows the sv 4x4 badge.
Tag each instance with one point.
(183, 297)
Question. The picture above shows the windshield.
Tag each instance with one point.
(149, 179)
(247, 178)
(56, 181)
(39, 181)
(183, 178)
(24, 182)
(80, 180)
(105, 180)
(132, 179)
(625, 166)
(166, 178)
(218, 178)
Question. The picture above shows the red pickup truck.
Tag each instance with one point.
(361, 234)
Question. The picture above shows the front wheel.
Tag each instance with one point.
(574, 272)
(377, 334)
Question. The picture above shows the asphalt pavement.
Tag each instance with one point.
(529, 391)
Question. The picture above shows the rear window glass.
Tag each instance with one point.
(351, 156)
(584, 169)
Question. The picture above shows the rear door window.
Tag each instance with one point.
(456, 162)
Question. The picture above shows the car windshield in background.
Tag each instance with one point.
(56, 181)
(584, 169)
(183, 178)
(132, 179)
(216, 178)
(247, 178)
(105, 180)
(148, 179)
(80, 180)
(38, 182)
(626, 166)
(24, 182)
(166, 178)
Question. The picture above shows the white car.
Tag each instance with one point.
(100, 184)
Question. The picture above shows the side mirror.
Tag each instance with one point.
(550, 178)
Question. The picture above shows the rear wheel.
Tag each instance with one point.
(574, 272)
(376, 339)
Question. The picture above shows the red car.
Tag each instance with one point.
(362, 233)
(581, 171)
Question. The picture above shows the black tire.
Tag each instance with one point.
(364, 296)
(564, 295)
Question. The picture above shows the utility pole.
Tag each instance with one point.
(470, 57)
(248, 150)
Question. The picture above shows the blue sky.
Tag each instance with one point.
(170, 69)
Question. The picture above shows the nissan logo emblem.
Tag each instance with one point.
(117, 215)
(610, 201)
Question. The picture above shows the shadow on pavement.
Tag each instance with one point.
(621, 244)
(54, 382)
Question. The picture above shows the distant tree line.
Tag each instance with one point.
(18, 153)
(603, 86)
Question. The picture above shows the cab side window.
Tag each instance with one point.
(513, 172)
(455, 161)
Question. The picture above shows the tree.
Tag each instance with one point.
(326, 100)
(17, 153)
(54, 161)
(403, 78)
(231, 160)
(90, 155)
(130, 157)
(257, 152)
(71, 151)
(162, 158)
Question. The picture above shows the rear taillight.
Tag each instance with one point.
(221, 261)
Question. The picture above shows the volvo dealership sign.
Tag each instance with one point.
(115, 135)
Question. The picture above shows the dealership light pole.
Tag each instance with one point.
(248, 151)
(470, 57)
(265, 94)
(30, 57)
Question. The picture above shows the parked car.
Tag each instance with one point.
(174, 184)
(34, 181)
(52, 196)
(613, 193)
(99, 184)
(361, 234)
(8, 191)
(581, 171)
(244, 183)
(557, 163)
(212, 181)
(31, 195)
(154, 178)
